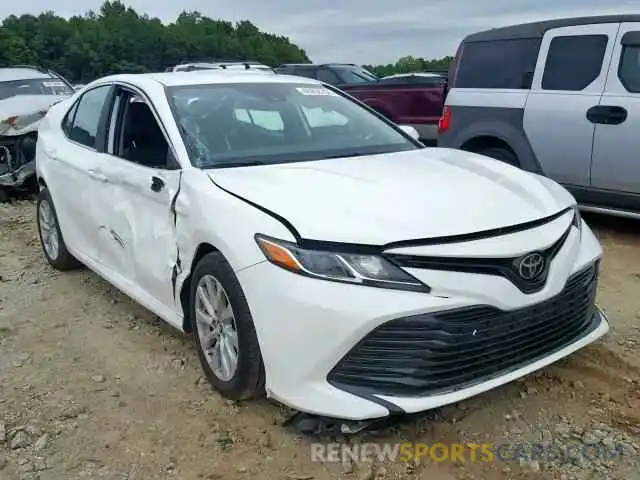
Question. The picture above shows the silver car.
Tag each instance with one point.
(560, 98)
(26, 94)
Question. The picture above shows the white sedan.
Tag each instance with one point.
(317, 252)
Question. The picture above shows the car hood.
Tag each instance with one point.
(375, 200)
(25, 112)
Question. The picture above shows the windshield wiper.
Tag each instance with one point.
(251, 163)
(347, 155)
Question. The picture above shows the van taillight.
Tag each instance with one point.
(445, 120)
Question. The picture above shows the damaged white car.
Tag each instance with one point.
(316, 251)
(26, 93)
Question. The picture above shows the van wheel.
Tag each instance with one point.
(503, 154)
(224, 332)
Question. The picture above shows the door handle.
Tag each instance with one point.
(157, 184)
(607, 115)
(97, 175)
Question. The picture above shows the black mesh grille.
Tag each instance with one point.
(435, 353)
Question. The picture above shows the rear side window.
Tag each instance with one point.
(304, 72)
(67, 122)
(574, 62)
(507, 64)
(629, 71)
(327, 76)
(87, 116)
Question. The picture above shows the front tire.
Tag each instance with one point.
(224, 332)
(53, 246)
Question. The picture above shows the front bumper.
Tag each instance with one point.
(18, 177)
(15, 167)
(309, 330)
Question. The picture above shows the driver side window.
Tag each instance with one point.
(135, 134)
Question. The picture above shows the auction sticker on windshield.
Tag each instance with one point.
(316, 91)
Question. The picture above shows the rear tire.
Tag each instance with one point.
(224, 331)
(503, 154)
(51, 240)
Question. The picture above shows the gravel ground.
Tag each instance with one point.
(94, 386)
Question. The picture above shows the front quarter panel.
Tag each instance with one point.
(206, 214)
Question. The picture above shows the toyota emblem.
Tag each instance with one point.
(531, 266)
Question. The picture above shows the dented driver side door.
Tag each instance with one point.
(138, 240)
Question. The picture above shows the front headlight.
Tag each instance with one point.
(359, 269)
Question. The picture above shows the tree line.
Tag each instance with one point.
(117, 39)
(411, 64)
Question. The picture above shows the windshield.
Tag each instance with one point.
(237, 124)
(34, 86)
(355, 75)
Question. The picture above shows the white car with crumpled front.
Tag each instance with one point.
(318, 253)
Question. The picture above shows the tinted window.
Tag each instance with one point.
(36, 86)
(500, 64)
(304, 72)
(573, 62)
(327, 76)
(235, 124)
(629, 71)
(85, 124)
(355, 75)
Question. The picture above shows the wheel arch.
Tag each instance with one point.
(202, 249)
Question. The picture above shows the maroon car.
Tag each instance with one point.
(414, 100)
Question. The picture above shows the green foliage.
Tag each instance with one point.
(410, 65)
(117, 39)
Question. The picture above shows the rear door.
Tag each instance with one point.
(569, 79)
(74, 179)
(616, 163)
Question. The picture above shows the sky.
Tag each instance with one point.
(357, 31)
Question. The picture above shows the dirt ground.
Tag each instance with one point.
(94, 386)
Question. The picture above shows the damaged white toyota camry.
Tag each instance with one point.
(319, 254)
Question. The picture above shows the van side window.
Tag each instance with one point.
(574, 62)
(629, 71)
(505, 64)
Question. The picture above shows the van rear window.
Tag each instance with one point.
(507, 64)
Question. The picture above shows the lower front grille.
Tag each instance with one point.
(441, 352)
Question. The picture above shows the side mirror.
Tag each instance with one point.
(411, 131)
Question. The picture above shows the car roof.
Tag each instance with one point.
(8, 74)
(538, 29)
(222, 65)
(204, 77)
